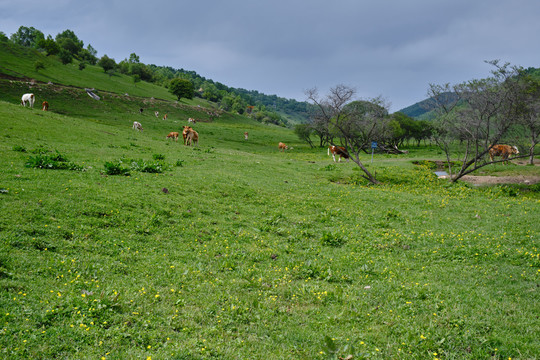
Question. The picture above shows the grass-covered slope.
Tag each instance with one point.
(238, 251)
(19, 62)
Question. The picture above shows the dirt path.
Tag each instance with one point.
(492, 180)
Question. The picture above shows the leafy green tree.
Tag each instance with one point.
(86, 56)
(69, 41)
(91, 50)
(134, 59)
(65, 56)
(3, 37)
(211, 93)
(181, 88)
(49, 45)
(82, 65)
(123, 67)
(107, 63)
(27, 36)
(141, 70)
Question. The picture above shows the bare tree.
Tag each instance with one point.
(356, 122)
(479, 114)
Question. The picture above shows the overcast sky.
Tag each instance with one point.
(392, 48)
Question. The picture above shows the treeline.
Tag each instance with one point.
(67, 47)
(390, 131)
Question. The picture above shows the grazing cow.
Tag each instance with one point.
(165, 117)
(137, 126)
(186, 130)
(156, 113)
(503, 151)
(282, 146)
(338, 150)
(141, 110)
(28, 98)
(45, 106)
(173, 135)
(192, 137)
(246, 135)
(191, 120)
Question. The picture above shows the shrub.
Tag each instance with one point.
(179, 163)
(53, 162)
(115, 169)
(158, 157)
(143, 166)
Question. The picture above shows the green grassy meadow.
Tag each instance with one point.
(238, 251)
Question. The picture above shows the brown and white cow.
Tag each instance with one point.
(246, 135)
(28, 98)
(165, 117)
(45, 106)
(338, 150)
(137, 126)
(185, 132)
(173, 135)
(282, 146)
(192, 137)
(503, 151)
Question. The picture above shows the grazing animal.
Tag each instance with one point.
(503, 151)
(246, 135)
(137, 126)
(338, 150)
(192, 137)
(173, 135)
(45, 106)
(191, 120)
(156, 113)
(165, 117)
(282, 146)
(186, 130)
(28, 98)
(141, 110)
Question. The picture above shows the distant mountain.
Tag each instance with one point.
(423, 110)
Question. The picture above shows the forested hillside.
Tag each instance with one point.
(68, 49)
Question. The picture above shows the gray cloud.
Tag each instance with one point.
(391, 48)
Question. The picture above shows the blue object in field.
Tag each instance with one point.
(373, 144)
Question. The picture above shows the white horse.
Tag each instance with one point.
(30, 98)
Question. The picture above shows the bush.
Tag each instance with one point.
(158, 157)
(53, 162)
(143, 166)
(115, 169)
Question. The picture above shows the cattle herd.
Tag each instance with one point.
(191, 137)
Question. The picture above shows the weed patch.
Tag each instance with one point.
(52, 162)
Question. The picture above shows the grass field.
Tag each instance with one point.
(233, 250)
